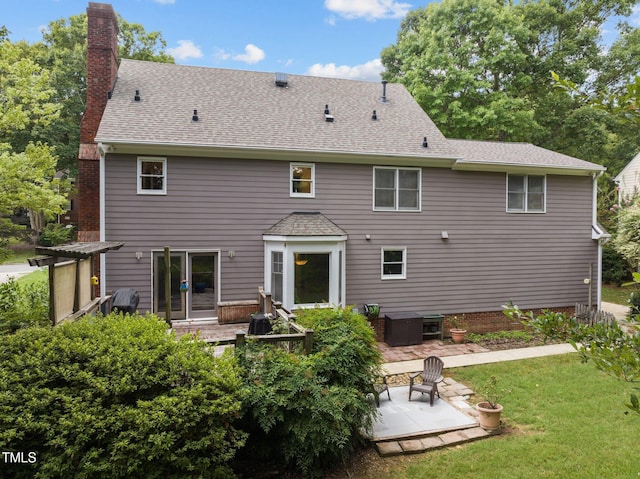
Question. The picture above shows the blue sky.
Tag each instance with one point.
(319, 37)
(337, 38)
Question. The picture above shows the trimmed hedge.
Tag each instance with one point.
(23, 305)
(116, 397)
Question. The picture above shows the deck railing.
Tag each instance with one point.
(301, 337)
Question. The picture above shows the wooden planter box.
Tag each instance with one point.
(236, 311)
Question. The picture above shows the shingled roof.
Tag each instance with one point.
(305, 224)
(245, 109)
(495, 155)
(152, 109)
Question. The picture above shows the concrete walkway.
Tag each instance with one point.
(8, 271)
(472, 359)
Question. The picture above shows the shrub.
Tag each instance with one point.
(309, 412)
(23, 305)
(55, 234)
(115, 397)
(615, 268)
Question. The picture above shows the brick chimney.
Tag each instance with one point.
(102, 69)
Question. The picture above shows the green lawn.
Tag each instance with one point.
(34, 277)
(617, 294)
(564, 419)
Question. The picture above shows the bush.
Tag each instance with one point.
(309, 411)
(615, 268)
(55, 234)
(116, 397)
(23, 305)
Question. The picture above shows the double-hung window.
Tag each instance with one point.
(152, 176)
(394, 263)
(302, 182)
(396, 189)
(526, 193)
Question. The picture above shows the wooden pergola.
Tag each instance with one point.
(71, 277)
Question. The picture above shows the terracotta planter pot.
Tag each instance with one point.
(489, 418)
(458, 335)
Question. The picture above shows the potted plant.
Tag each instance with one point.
(372, 311)
(489, 410)
(458, 329)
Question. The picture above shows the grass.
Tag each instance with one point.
(563, 419)
(20, 254)
(34, 277)
(617, 294)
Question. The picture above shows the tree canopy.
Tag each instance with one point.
(481, 69)
(42, 98)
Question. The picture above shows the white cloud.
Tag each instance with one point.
(165, 2)
(185, 49)
(221, 55)
(369, 71)
(368, 9)
(251, 55)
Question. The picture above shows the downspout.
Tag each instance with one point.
(601, 239)
(102, 149)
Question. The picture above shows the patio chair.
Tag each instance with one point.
(378, 388)
(431, 375)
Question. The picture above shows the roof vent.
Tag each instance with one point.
(383, 99)
(425, 144)
(374, 115)
(195, 115)
(282, 80)
(327, 116)
(137, 96)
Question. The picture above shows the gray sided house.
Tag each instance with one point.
(330, 191)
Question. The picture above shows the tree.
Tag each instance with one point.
(26, 95)
(27, 180)
(42, 98)
(627, 237)
(480, 69)
(63, 52)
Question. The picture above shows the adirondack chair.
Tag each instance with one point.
(431, 375)
(378, 388)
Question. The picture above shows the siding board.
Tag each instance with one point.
(491, 256)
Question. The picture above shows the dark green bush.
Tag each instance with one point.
(23, 305)
(309, 411)
(615, 268)
(117, 397)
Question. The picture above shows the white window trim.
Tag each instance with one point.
(311, 244)
(142, 191)
(293, 194)
(397, 190)
(404, 263)
(526, 195)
